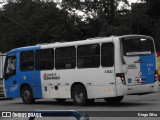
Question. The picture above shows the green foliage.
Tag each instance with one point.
(101, 16)
(29, 22)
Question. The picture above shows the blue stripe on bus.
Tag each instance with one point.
(33, 78)
(148, 67)
(23, 49)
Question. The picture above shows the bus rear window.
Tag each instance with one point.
(137, 46)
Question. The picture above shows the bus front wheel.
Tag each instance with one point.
(27, 95)
(114, 99)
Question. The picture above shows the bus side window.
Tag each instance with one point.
(44, 59)
(27, 61)
(88, 56)
(65, 58)
(107, 55)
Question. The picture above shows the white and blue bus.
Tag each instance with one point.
(100, 68)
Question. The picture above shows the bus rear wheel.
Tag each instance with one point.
(27, 95)
(114, 99)
(79, 95)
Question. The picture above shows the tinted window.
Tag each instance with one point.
(44, 59)
(65, 58)
(88, 56)
(107, 55)
(137, 46)
(27, 60)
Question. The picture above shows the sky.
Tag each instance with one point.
(130, 1)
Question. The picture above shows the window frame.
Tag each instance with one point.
(90, 56)
(28, 60)
(53, 59)
(106, 55)
(134, 39)
(75, 57)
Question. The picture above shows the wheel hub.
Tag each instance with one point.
(26, 95)
(79, 96)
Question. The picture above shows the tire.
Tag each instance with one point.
(60, 100)
(79, 95)
(27, 95)
(114, 99)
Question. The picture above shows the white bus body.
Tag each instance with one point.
(133, 72)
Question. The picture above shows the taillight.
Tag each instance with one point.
(156, 75)
(122, 76)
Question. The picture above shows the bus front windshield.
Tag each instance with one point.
(137, 46)
(10, 67)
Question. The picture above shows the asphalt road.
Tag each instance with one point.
(127, 109)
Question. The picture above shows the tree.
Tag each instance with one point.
(99, 15)
(29, 22)
(153, 8)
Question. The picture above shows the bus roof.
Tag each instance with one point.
(72, 43)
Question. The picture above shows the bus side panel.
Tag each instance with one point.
(62, 79)
(101, 91)
(98, 82)
(12, 89)
(14, 83)
(33, 80)
(94, 79)
(57, 83)
(37, 92)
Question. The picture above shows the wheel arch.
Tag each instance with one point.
(77, 83)
(23, 85)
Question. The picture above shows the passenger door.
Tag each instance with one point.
(10, 78)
